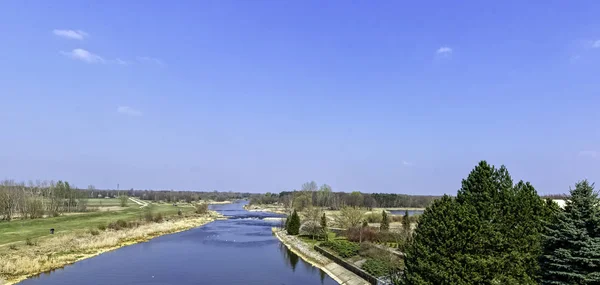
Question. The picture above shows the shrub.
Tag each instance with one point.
(376, 267)
(368, 234)
(94, 232)
(201, 208)
(30, 242)
(343, 248)
(55, 214)
(119, 224)
(12, 247)
(374, 217)
(311, 228)
(102, 227)
(385, 221)
(179, 213)
(148, 216)
(158, 218)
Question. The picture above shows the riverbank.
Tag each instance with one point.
(307, 253)
(35, 257)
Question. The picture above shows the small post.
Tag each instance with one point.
(51, 231)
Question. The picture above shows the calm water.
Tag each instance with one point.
(410, 212)
(240, 250)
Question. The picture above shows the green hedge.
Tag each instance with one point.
(343, 248)
(376, 267)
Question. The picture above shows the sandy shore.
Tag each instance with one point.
(18, 264)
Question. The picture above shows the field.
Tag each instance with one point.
(111, 202)
(20, 230)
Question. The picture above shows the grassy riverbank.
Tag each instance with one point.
(27, 248)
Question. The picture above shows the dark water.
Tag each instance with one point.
(410, 212)
(240, 250)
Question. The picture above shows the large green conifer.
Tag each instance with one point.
(294, 224)
(572, 240)
(489, 234)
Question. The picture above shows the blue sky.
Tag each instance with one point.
(385, 96)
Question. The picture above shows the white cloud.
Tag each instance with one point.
(596, 44)
(84, 55)
(444, 50)
(125, 110)
(71, 34)
(145, 59)
(589, 153)
(120, 62)
(406, 163)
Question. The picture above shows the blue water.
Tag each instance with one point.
(240, 250)
(410, 212)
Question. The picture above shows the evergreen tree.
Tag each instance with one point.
(324, 226)
(294, 224)
(489, 234)
(385, 222)
(572, 240)
(287, 222)
(406, 223)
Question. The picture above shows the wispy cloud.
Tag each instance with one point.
(596, 44)
(125, 110)
(406, 163)
(589, 153)
(146, 59)
(84, 55)
(71, 34)
(120, 61)
(444, 50)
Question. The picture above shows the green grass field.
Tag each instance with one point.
(111, 202)
(20, 230)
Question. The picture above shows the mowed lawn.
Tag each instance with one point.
(20, 230)
(110, 202)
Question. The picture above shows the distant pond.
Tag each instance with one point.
(240, 250)
(410, 212)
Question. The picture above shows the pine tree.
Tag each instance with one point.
(489, 234)
(385, 222)
(572, 240)
(406, 223)
(324, 226)
(294, 224)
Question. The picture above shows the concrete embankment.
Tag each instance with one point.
(308, 254)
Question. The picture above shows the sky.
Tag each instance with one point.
(264, 95)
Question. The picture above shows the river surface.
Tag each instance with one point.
(240, 250)
(410, 212)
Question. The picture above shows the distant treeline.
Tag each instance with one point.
(312, 195)
(169, 195)
(33, 200)
(36, 199)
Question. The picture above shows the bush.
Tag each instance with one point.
(367, 249)
(343, 248)
(376, 267)
(12, 247)
(368, 234)
(94, 232)
(158, 218)
(30, 242)
(119, 224)
(201, 208)
(374, 217)
(148, 216)
(102, 227)
(179, 213)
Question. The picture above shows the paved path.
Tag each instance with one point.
(139, 202)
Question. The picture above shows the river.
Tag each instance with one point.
(240, 250)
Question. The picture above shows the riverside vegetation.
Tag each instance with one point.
(492, 232)
(83, 226)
